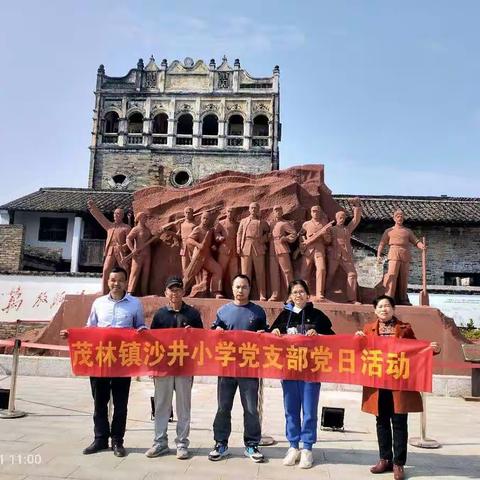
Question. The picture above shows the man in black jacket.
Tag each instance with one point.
(176, 314)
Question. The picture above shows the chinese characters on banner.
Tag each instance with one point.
(371, 361)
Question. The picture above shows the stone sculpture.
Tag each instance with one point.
(115, 246)
(226, 238)
(340, 253)
(252, 236)
(185, 229)
(280, 264)
(201, 241)
(399, 239)
(314, 237)
(138, 241)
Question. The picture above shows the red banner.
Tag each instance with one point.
(373, 361)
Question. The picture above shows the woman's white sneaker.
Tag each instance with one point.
(306, 459)
(292, 457)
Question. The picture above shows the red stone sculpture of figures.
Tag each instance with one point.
(226, 237)
(280, 265)
(399, 239)
(186, 228)
(315, 235)
(138, 241)
(340, 254)
(252, 236)
(115, 245)
(201, 240)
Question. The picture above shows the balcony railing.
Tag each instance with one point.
(159, 138)
(209, 140)
(183, 139)
(135, 139)
(234, 141)
(260, 142)
(110, 138)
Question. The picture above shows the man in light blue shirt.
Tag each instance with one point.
(115, 310)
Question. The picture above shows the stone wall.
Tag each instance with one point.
(10, 330)
(145, 168)
(11, 247)
(450, 249)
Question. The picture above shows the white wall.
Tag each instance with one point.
(31, 220)
(34, 297)
(459, 307)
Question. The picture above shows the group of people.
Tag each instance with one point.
(299, 317)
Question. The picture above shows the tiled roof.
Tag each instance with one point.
(70, 200)
(376, 208)
(423, 210)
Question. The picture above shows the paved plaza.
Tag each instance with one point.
(48, 443)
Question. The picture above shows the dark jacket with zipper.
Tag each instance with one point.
(309, 317)
(167, 317)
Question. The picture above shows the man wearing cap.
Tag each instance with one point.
(177, 314)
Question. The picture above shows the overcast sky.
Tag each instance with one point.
(385, 94)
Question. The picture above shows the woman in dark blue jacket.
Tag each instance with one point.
(299, 316)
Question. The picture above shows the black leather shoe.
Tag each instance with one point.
(119, 450)
(95, 447)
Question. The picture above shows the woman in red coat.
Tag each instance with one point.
(391, 407)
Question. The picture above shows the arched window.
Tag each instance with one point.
(135, 123)
(160, 129)
(210, 130)
(235, 131)
(184, 129)
(111, 122)
(260, 131)
(110, 128)
(135, 129)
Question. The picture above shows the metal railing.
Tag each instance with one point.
(110, 138)
(181, 139)
(234, 141)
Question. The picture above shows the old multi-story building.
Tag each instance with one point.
(174, 124)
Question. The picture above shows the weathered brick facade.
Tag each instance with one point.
(146, 168)
(175, 124)
(450, 249)
(11, 247)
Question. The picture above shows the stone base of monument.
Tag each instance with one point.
(428, 323)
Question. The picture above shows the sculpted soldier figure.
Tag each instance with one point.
(340, 252)
(115, 245)
(186, 228)
(399, 239)
(282, 233)
(315, 235)
(251, 238)
(201, 240)
(226, 237)
(138, 241)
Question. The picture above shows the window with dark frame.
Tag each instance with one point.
(52, 229)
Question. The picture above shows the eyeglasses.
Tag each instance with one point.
(299, 292)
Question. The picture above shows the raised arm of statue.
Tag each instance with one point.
(98, 215)
(357, 217)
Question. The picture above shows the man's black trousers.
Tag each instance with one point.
(119, 388)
